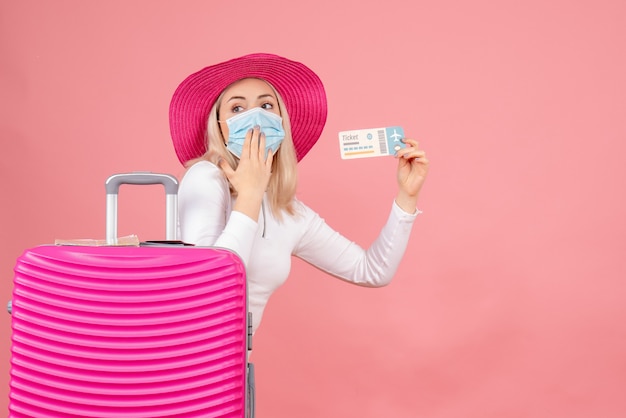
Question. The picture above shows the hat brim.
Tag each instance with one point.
(300, 88)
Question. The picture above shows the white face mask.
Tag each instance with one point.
(270, 123)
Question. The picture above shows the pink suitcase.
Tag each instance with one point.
(109, 332)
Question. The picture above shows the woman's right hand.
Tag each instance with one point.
(252, 175)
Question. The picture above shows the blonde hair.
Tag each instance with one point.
(282, 185)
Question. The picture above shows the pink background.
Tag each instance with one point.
(510, 300)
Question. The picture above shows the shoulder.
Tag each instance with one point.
(303, 213)
(200, 176)
(203, 168)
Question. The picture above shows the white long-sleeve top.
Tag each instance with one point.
(266, 246)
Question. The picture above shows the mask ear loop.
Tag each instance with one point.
(217, 105)
(219, 123)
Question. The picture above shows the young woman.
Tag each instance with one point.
(240, 127)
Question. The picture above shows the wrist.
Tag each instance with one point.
(251, 195)
(249, 204)
(406, 202)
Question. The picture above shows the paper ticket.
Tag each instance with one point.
(375, 142)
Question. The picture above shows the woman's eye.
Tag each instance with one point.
(237, 109)
(267, 106)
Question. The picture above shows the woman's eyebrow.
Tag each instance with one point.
(236, 98)
(243, 98)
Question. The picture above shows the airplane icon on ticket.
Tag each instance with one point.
(395, 136)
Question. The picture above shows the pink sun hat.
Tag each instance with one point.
(301, 89)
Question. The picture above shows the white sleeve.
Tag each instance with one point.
(205, 218)
(331, 252)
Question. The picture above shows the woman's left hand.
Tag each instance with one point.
(412, 170)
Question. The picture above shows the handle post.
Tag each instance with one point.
(112, 186)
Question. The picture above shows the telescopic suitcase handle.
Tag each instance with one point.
(112, 185)
(169, 182)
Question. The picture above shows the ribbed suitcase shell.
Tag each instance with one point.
(112, 332)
